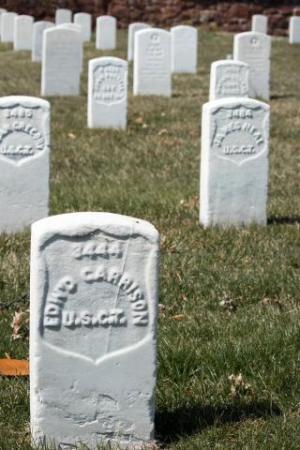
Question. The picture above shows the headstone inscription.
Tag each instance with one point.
(254, 49)
(260, 23)
(152, 63)
(63, 15)
(85, 21)
(7, 26)
(184, 40)
(228, 78)
(62, 56)
(24, 161)
(234, 162)
(107, 93)
(294, 30)
(132, 29)
(93, 308)
(106, 33)
(38, 38)
(23, 27)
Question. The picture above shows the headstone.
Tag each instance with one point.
(7, 26)
(132, 29)
(85, 21)
(38, 38)
(184, 46)
(24, 161)
(294, 30)
(106, 33)
(228, 78)
(107, 93)
(62, 50)
(234, 162)
(76, 27)
(254, 49)
(152, 62)
(260, 23)
(93, 308)
(63, 16)
(23, 32)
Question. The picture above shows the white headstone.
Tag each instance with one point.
(254, 49)
(62, 58)
(23, 28)
(63, 16)
(152, 62)
(107, 93)
(132, 29)
(85, 21)
(76, 27)
(294, 30)
(234, 162)
(7, 26)
(38, 38)
(106, 33)
(24, 161)
(93, 308)
(228, 78)
(260, 23)
(184, 46)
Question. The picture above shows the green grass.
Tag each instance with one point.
(151, 171)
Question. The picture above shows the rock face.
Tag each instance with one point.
(226, 15)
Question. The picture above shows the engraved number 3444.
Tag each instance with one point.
(94, 249)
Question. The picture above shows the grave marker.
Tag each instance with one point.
(24, 161)
(62, 16)
(107, 93)
(62, 58)
(294, 30)
(23, 26)
(106, 33)
(7, 26)
(85, 21)
(234, 162)
(38, 38)
(260, 23)
(228, 78)
(254, 49)
(132, 29)
(184, 40)
(152, 62)
(93, 308)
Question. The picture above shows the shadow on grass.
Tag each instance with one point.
(284, 220)
(172, 425)
(281, 96)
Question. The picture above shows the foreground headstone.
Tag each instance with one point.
(106, 33)
(294, 30)
(85, 21)
(62, 58)
(184, 41)
(38, 38)
(63, 15)
(23, 27)
(7, 26)
(234, 162)
(254, 49)
(132, 29)
(24, 161)
(93, 308)
(152, 62)
(260, 23)
(228, 78)
(107, 93)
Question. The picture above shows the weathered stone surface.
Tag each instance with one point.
(85, 21)
(228, 78)
(24, 161)
(234, 162)
(7, 26)
(294, 30)
(106, 33)
(184, 47)
(93, 313)
(23, 28)
(132, 30)
(38, 38)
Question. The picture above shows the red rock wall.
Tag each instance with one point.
(212, 14)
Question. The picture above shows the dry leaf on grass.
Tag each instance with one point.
(72, 135)
(14, 367)
(238, 386)
(19, 322)
(178, 317)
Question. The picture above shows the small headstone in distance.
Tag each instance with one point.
(23, 27)
(294, 30)
(85, 21)
(106, 33)
(152, 63)
(63, 15)
(234, 162)
(254, 49)
(132, 29)
(37, 39)
(184, 48)
(107, 93)
(7, 26)
(93, 312)
(260, 23)
(228, 78)
(24, 161)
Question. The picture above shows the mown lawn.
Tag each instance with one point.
(229, 298)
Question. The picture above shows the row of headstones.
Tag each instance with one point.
(260, 24)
